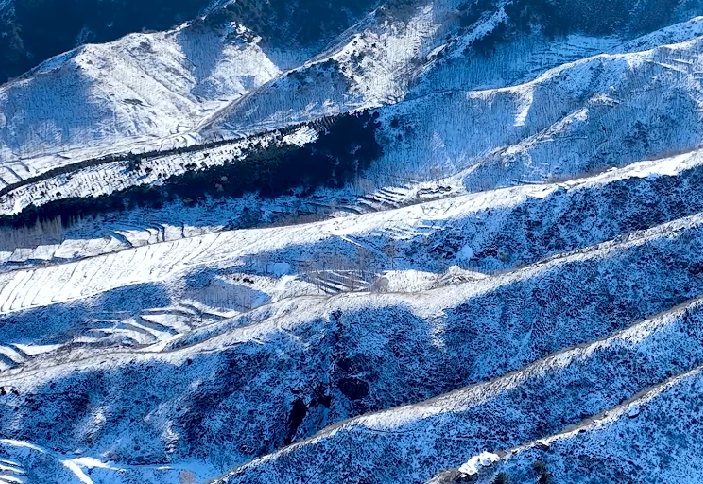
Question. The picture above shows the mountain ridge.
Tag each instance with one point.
(395, 242)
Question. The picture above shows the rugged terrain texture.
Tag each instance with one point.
(396, 242)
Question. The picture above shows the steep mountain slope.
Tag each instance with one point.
(404, 43)
(376, 62)
(145, 85)
(386, 253)
(630, 443)
(124, 93)
(32, 31)
(542, 130)
(358, 351)
(578, 118)
(439, 432)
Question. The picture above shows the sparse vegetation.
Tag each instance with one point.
(147, 354)
(486, 45)
(301, 22)
(556, 18)
(394, 10)
(539, 467)
(545, 478)
(501, 478)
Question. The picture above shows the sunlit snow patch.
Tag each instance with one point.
(34, 350)
(301, 137)
(474, 465)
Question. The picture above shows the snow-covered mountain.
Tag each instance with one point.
(395, 242)
(32, 31)
(141, 87)
(151, 85)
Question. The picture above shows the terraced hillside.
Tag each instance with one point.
(462, 242)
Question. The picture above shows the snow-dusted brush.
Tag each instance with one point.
(365, 242)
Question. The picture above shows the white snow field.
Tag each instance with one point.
(144, 90)
(512, 292)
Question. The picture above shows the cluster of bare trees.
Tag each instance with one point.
(43, 232)
(337, 272)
